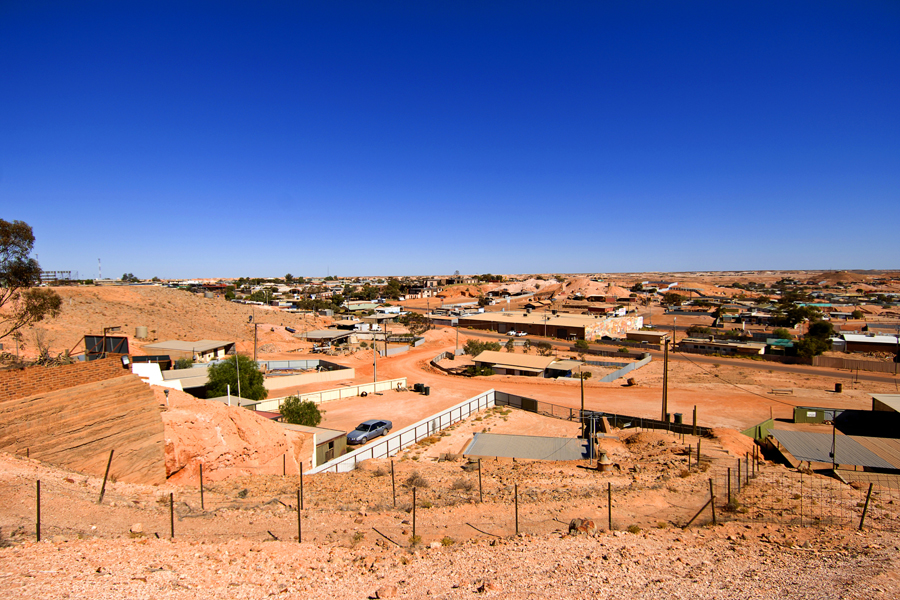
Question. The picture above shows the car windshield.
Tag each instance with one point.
(363, 427)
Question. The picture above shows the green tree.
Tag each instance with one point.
(527, 346)
(544, 348)
(301, 412)
(672, 298)
(223, 374)
(809, 347)
(21, 303)
(130, 278)
(482, 301)
(415, 322)
(582, 345)
(510, 345)
(638, 287)
(857, 314)
(289, 279)
(184, 363)
(782, 334)
(821, 330)
(698, 331)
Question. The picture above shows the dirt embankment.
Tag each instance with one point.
(227, 440)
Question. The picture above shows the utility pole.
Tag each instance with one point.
(581, 377)
(237, 366)
(665, 390)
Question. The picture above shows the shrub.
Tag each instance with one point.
(301, 412)
(416, 480)
(634, 529)
(447, 541)
(462, 484)
(184, 363)
(415, 540)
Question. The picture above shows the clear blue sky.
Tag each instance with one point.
(202, 139)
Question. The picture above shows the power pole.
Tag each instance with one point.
(665, 390)
(581, 377)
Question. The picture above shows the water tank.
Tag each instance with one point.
(140, 332)
(209, 295)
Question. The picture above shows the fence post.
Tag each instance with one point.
(698, 454)
(865, 508)
(729, 486)
(202, 507)
(738, 475)
(609, 505)
(393, 485)
(480, 489)
(38, 507)
(414, 512)
(712, 500)
(171, 515)
(695, 420)
(105, 476)
(747, 468)
(284, 464)
(516, 493)
(299, 525)
(301, 484)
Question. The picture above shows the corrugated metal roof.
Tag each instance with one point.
(874, 339)
(527, 447)
(183, 346)
(516, 361)
(886, 448)
(889, 400)
(816, 447)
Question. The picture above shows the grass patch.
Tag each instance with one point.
(462, 484)
(447, 541)
(634, 529)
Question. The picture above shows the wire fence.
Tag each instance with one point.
(406, 509)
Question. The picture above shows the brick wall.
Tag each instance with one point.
(19, 383)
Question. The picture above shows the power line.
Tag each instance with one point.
(734, 384)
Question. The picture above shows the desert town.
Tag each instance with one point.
(703, 435)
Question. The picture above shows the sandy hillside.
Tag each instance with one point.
(171, 313)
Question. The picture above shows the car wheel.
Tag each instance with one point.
(363, 440)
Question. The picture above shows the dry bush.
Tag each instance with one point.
(462, 484)
(416, 480)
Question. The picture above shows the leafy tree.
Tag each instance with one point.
(21, 303)
(224, 374)
(638, 287)
(820, 330)
(482, 301)
(782, 334)
(857, 314)
(301, 412)
(698, 331)
(510, 345)
(289, 279)
(130, 278)
(672, 298)
(582, 346)
(527, 346)
(475, 347)
(155, 279)
(184, 363)
(416, 323)
(544, 348)
(809, 347)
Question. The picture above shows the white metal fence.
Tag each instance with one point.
(394, 442)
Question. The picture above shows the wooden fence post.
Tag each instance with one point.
(414, 513)
(712, 500)
(105, 476)
(38, 507)
(609, 505)
(172, 515)
(299, 525)
(865, 508)
(516, 493)
(202, 505)
(480, 489)
(393, 485)
(301, 485)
